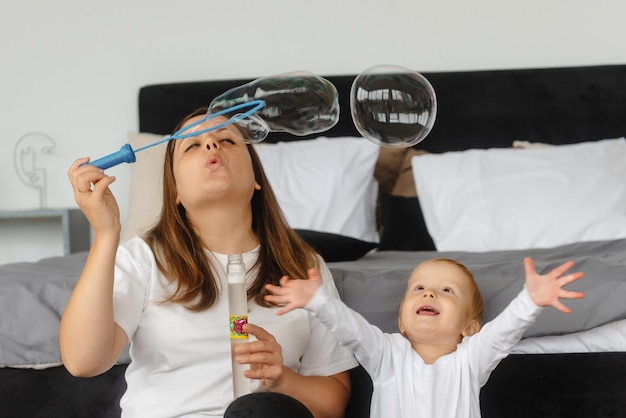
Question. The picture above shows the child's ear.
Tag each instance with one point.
(401, 327)
(472, 328)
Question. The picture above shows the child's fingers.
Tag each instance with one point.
(284, 310)
(288, 307)
(568, 294)
(560, 270)
(278, 299)
(281, 288)
(572, 277)
(273, 288)
(529, 266)
(561, 307)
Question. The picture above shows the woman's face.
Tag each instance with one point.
(212, 165)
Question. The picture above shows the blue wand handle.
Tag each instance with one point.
(127, 155)
(124, 155)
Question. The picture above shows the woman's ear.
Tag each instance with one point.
(472, 328)
(257, 186)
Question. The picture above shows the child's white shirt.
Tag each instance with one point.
(404, 385)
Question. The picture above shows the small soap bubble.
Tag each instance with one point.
(393, 106)
(250, 129)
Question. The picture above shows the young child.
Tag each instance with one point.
(441, 358)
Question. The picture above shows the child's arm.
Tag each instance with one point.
(294, 294)
(497, 338)
(369, 344)
(548, 289)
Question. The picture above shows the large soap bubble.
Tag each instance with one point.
(393, 106)
(299, 102)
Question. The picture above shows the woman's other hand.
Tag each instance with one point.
(263, 355)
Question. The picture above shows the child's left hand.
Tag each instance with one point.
(547, 289)
(294, 293)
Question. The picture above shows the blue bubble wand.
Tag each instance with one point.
(126, 154)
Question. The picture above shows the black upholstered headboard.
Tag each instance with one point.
(476, 109)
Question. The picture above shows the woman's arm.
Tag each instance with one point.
(90, 341)
(324, 396)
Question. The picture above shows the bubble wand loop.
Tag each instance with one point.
(126, 154)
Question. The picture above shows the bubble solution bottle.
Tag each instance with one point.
(238, 317)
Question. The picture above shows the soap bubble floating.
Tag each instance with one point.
(300, 103)
(393, 106)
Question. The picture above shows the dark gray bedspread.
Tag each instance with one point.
(374, 285)
(33, 295)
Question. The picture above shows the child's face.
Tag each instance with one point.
(437, 304)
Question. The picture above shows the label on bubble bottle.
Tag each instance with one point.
(236, 327)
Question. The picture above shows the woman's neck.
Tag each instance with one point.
(225, 230)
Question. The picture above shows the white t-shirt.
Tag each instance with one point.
(181, 360)
(404, 385)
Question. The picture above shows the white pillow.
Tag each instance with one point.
(497, 199)
(146, 187)
(325, 184)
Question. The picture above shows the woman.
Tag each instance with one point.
(165, 293)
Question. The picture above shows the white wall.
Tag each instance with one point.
(71, 69)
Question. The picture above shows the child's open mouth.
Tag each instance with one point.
(427, 310)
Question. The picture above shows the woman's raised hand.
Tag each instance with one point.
(93, 195)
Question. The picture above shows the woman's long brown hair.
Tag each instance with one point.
(180, 253)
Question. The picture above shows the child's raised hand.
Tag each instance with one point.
(547, 289)
(292, 294)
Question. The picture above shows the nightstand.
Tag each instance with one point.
(74, 227)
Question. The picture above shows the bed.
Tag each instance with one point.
(462, 192)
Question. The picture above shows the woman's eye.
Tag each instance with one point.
(190, 146)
